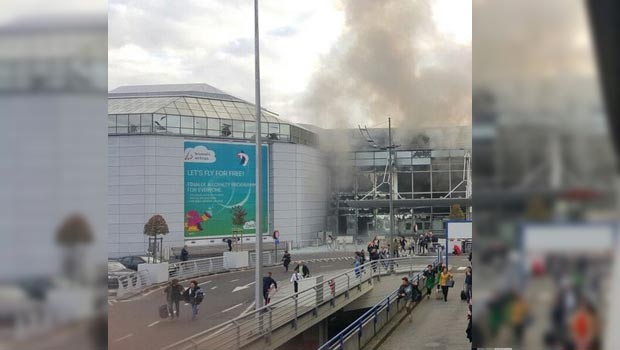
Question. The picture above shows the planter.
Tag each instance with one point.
(236, 260)
(311, 297)
(158, 273)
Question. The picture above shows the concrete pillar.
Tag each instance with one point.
(323, 331)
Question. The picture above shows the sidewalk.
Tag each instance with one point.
(435, 324)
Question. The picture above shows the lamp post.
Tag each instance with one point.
(390, 147)
(259, 188)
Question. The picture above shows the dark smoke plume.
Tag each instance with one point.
(391, 61)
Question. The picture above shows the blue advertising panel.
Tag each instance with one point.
(220, 189)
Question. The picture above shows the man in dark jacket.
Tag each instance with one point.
(374, 256)
(184, 254)
(286, 260)
(268, 281)
(405, 292)
(174, 292)
(305, 271)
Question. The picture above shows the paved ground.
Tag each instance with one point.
(435, 324)
(134, 324)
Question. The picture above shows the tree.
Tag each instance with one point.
(73, 235)
(456, 213)
(156, 226)
(238, 219)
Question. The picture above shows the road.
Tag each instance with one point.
(134, 324)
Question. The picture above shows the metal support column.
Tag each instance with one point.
(258, 295)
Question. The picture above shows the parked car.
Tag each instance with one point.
(115, 271)
(132, 262)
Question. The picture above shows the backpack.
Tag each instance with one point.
(199, 297)
(463, 295)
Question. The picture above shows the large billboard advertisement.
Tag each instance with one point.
(220, 190)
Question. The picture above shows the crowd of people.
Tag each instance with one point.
(573, 312)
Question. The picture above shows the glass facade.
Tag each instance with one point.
(419, 174)
(203, 117)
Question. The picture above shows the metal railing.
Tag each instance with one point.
(137, 281)
(248, 328)
(359, 333)
(133, 283)
(195, 268)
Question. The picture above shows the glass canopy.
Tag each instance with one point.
(198, 116)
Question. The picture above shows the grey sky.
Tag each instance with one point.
(189, 41)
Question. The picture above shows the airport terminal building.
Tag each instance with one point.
(186, 152)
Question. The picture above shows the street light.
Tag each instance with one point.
(258, 295)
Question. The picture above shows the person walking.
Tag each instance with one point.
(305, 271)
(295, 278)
(421, 239)
(268, 282)
(429, 280)
(357, 265)
(383, 255)
(468, 283)
(583, 326)
(518, 317)
(194, 296)
(184, 253)
(444, 279)
(405, 291)
(286, 260)
(469, 330)
(174, 293)
(412, 247)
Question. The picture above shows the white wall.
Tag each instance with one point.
(300, 191)
(145, 177)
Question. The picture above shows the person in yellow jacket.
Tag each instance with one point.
(444, 278)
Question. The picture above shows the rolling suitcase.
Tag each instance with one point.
(163, 311)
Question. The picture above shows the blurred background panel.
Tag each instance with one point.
(53, 85)
(546, 204)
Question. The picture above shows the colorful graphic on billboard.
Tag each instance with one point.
(220, 193)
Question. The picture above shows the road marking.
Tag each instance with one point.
(239, 288)
(243, 287)
(461, 268)
(123, 338)
(248, 309)
(152, 324)
(322, 266)
(233, 307)
(235, 280)
(206, 282)
(212, 288)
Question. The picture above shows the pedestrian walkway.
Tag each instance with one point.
(434, 324)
